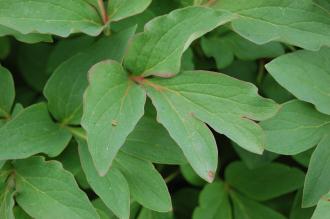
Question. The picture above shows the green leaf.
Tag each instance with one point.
(17, 109)
(32, 63)
(26, 96)
(32, 131)
(145, 183)
(322, 210)
(26, 38)
(303, 158)
(297, 212)
(113, 106)
(252, 160)
(265, 182)
(2, 122)
(112, 188)
(71, 162)
(190, 175)
(296, 128)
(245, 208)
(60, 18)
(323, 3)
(64, 90)
(187, 61)
(225, 48)
(158, 50)
(5, 171)
(183, 208)
(120, 9)
(7, 91)
(20, 214)
(270, 88)
(151, 141)
(69, 158)
(213, 202)
(5, 47)
(149, 214)
(7, 201)
(135, 209)
(2, 162)
(317, 181)
(103, 210)
(242, 70)
(65, 49)
(46, 190)
(299, 22)
(139, 20)
(184, 102)
(306, 75)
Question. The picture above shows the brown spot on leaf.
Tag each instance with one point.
(210, 175)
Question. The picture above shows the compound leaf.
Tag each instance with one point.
(113, 106)
(46, 190)
(228, 105)
(158, 50)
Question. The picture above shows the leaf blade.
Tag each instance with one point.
(108, 111)
(112, 188)
(36, 180)
(158, 50)
(303, 23)
(317, 177)
(120, 9)
(145, 183)
(265, 182)
(58, 18)
(195, 97)
(7, 89)
(213, 202)
(32, 131)
(296, 128)
(306, 75)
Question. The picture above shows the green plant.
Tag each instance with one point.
(103, 113)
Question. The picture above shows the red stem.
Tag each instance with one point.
(103, 12)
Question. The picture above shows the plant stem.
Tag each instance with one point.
(103, 12)
(77, 132)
